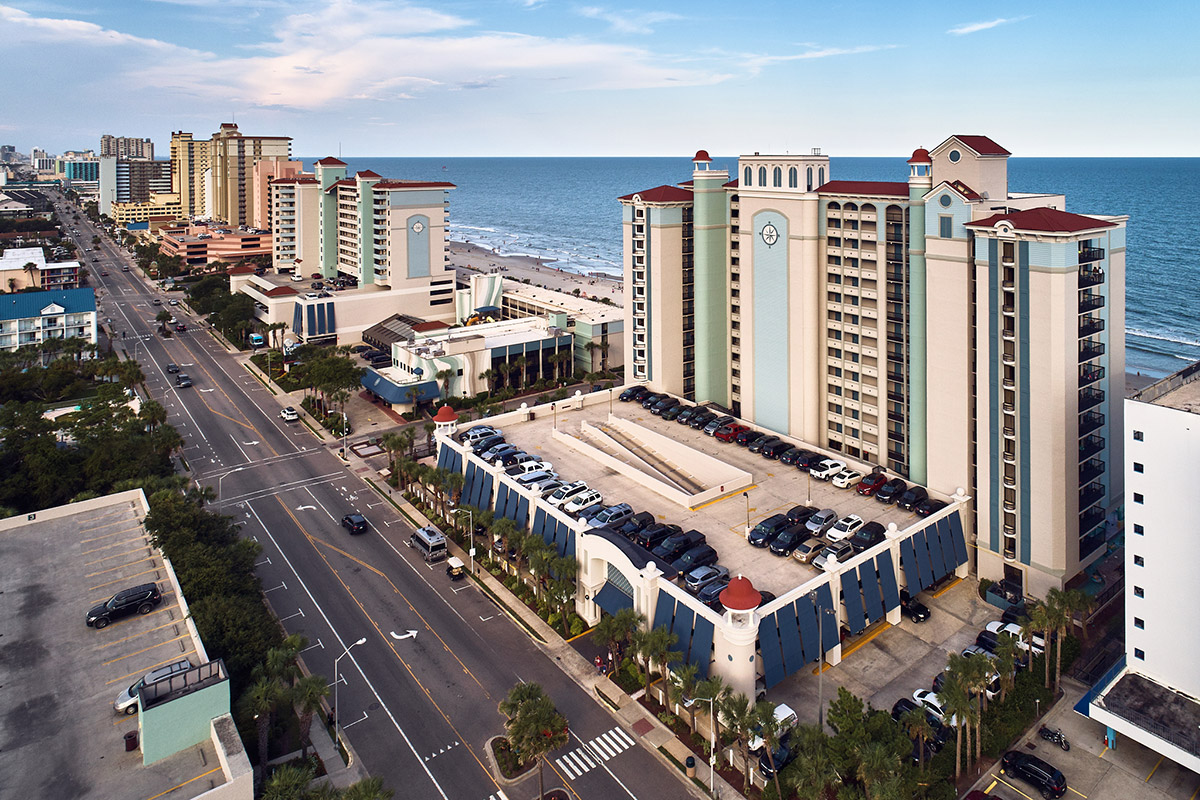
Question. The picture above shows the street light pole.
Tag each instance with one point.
(223, 477)
(821, 612)
(470, 532)
(712, 750)
(337, 679)
(746, 495)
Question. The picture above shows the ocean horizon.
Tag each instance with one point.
(565, 209)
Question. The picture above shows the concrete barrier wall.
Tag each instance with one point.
(616, 465)
(239, 775)
(706, 469)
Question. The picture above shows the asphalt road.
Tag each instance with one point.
(417, 708)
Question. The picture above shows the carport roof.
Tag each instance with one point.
(639, 556)
(398, 393)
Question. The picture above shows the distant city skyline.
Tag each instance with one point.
(546, 78)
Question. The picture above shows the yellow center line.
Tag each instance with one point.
(185, 783)
(143, 633)
(114, 569)
(143, 539)
(946, 588)
(124, 579)
(144, 670)
(217, 385)
(1156, 766)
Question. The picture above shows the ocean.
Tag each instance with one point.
(566, 209)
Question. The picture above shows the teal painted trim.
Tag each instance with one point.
(918, 465)
(1022, 276)
(770, 279)
(710, 232)
(366, 232)
(182, 722)
(418, 246)
(416, 199)
(995, 416)
(650, 217)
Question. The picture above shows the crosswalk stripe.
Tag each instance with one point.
(600, 748)
(586, 757)
(621, 735)
(614, 741)
(574, 762)
(562, 764)
(580, 765)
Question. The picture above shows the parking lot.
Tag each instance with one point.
(62, 676)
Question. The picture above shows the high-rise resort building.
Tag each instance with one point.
(954, 332)
(126, 147)
(215, 177)
(131, 180)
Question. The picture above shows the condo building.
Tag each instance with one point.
(216, 177)
(124, 180)
(958, 334)
(126, 147)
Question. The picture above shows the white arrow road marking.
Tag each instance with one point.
(306, 508)
(409, 635)
(248, 444)
(206, 390)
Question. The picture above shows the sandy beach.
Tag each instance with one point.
(539, 272)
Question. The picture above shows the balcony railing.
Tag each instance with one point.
(1090, 470)
(1089, 350)
(1090, 276)
(1089, 301)
(1090, 254)
(1090, 445)
(1091, 518)
(1090, 373)
(1091, 494)
(1089, 325)
(1090, 397)
(1090, 421)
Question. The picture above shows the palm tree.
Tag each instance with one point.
(1061, 618)
(535, 728)
(562, 588)
(443, 376)
(429, 427)
(770, 730)
(510, 368)
(408, 438)
(654, 645)
(1007, 653)
(307, 694)
(522, 364)
(1081, 603)
(815, 769)
(262, 699)
(1039, 622)
(683, 690)
(393, 444)
(713, 691)
(957, 704)
(288, 781)
(152, 414)
(875, 764)
(489, 377)
(740, 719)
(366, 789)
(915, 723)
(591, 348)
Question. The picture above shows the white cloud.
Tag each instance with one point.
(24, 27)
(628, 21)
(757, 62)
(975, 27)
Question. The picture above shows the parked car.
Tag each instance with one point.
(713, 425)
(727, 433)
(633, 393)
(868, 536)
(536, 477)
(870, 484)
(847, 478)
(973, 650)
(930, 700)
(842, 551)
(786, 718)
(545, 486)
(650, 398)
(516, 457)
(699, 577)
(141, 599)
(765, 532)
(528, 467)
(845, 527)
(662, 405)
(809, 549)
(929, 506)
(758, 444)
(822, 521)
(775, 761)
(941, 733)
(478, 434)
(586, 514)
(564, 493)
(913, 608)
(355, 523)
(126, 702)
(988, 640)
(654, 535)
(710, 595)
(636, 524)
(583, 501)
(674, 411)
(1012, 629)
(677, 544)
(890, 492)
(792, 454)
(775, 449)
(992, 689)
(748, 437)
(493, 455)
(289, 414)
(486, 443)
(809, 460)
(1048, 779)
(789, 540)
(700, 419)
(827, 469)
(801, 513)
(685, 416)
(910, 499)
(612, 516)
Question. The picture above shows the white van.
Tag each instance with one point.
(787, 720)
(430, 543)
(126, 701)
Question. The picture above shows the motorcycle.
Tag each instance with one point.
(1054, 735)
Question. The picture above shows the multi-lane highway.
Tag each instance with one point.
(417, 709)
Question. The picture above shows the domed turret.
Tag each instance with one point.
(920, 156)
(740, 595)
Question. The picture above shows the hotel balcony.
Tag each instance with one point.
(1009, 456)
(1090, 373)
(1090, 254)
(1090, 397)
(1089, 350)
(1090, 276)
(1090, 421)
(1089, 301)
(1090, 470)
(1089, 325)
(1091, 518)
(1091, 494)
(1008, 335)
(1008, 310)
(1090, 446)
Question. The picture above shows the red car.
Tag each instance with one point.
(871, 484)
(727, 433)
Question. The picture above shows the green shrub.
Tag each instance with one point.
(984, 585)
(578, 626)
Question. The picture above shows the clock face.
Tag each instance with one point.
(418, 226)
(769, 234)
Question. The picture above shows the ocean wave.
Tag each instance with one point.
(461, 227)
(1161, 338)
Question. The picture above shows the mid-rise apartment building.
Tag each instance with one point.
(954, 332)
(126, 147)
(29, 318)
(215, 177)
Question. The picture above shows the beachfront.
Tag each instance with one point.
(538, 272)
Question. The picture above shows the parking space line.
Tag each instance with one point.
(1015, 789)
(1156, 766)
(946, 588)
(114, 533)
(122, 580)
(144, 649)
(119, 566)
(865, 639)
(142, 539)
(1076, 791)
(136, 635)
(1193, 797)
(185, 783)
(734, 493)
(141, 672)
(1102, 752)
(110, 558)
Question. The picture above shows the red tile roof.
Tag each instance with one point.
(432, 325)
(366, 173)
(920, 156)
(391, 183)
(662, 194)
(1049, 220)
(243, 269)
(733, 184)
(961, 188)
(889, 188)
(294, 180)
(330, 161)
(701, 155)
(982, 145)
(343, 182)
(280, 291)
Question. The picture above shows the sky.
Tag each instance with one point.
(654, 78)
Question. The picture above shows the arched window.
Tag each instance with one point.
(762, 176)
(821, 177)
(835, 206)
(868, 208)
(810, 179)
(777, 178)
(793, 181)
(851, 206)
(746, 176)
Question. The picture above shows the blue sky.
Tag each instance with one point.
(544, 77)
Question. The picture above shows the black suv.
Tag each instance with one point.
(677, 544)
(1047, 779)
(912, 498)
(355, 523)
(141, 599)
(633, 393)
(890, 492)
(868, 536)
(653, 536)
(765, 532)
(775, 450)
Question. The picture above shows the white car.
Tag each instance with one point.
(1014, 630)
(847, 478)
(546, 486)
(289, 415)
(930, 700)
(536, 476)
(583, 501)
(827, 469)
(479, 433)
(297, 278)
(846, 527)
(563, 494)
(526, 467)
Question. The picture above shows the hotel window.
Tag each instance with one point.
(777, 178)
(1139, 654)
(762, 176)
(1138, 561)
(821, 176)
(1139, 623)
(793, 180)
(945, 224)
(1138, 498)
(810, 179)
(746, 175)
(1139, 591)
(1140, 530)
(1138, 436)
(1138, 467)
